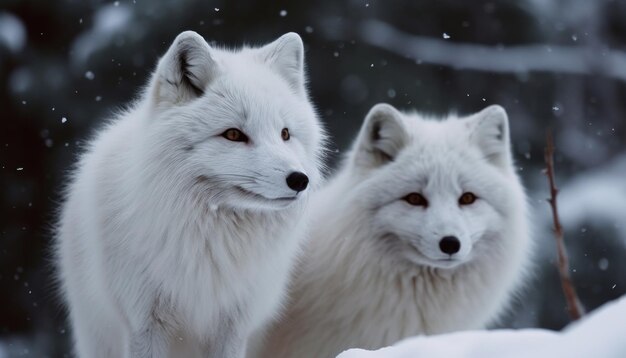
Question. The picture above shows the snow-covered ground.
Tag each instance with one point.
(599, 334)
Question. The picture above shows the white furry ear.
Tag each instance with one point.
(382, 136)
(489, 130)
(185, 70)
(286, 57)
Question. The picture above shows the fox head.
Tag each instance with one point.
(438, 193)
(235, 125)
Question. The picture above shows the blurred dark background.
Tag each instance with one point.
(65, 65)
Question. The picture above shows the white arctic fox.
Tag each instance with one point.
(423, 230)
(183, 216)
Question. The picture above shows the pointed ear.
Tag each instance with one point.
(286, 57)
(382, 136)
(184, 71)
(489, 130)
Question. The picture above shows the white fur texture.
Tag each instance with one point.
(174, 241)
(373, 272)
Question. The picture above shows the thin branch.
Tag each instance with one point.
(574, 307)
(582, 60)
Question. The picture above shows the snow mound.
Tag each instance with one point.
(599, 334)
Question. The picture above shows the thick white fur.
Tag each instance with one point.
(373, 273)
(174, 241)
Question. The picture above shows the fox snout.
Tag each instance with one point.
(297, 181)
(450, 245)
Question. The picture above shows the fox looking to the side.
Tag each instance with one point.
(184, 213)
(423, 230)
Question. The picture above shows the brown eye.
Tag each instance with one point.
(235, 135)
(467, 198)
(416, 199)
(285, 134)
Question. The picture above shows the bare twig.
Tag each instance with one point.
(574, 307)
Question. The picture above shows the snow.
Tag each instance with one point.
(520, 59)
(12, 32)
(109, 21)
(599, 334)
(597, 197)
(578, 11)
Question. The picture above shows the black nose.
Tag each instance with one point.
(297, 181)
(450, 245)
